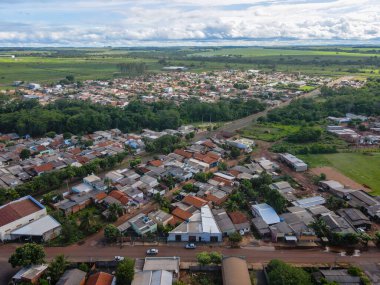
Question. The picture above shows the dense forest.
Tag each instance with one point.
(337, 102)
(80, 117)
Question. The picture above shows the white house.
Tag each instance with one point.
(201, 227)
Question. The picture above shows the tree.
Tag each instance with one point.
(28, 254)
(235, 238)
(203, 258)
(115, 210)
(280, 273)
(86, 221)
(231, 205)
(215, 257)
(57, 267)
(111, 233)
(235, 152)
(25, 153)
(222, 166)
(125, 272)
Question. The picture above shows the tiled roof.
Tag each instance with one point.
(100, 278)
(238, 217)
(184, 215)
(44, 167)
(156, 163)
(183, 153)
(16, 210)
(194, 201)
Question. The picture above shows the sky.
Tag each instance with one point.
(95, 23)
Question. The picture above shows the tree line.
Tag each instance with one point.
(82, 117)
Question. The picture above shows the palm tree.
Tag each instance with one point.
(115, 209)
(86, 221)
(231, 206)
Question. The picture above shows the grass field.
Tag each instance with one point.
(268, 132)
(363, 168)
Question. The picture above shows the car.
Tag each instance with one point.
(190, 246)
(152, 251)
(119, 258)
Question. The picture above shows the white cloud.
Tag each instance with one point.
(151, 22)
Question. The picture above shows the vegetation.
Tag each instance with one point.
(165, 144)
(363, 168)
(82, 117)
(206, 258)
(234, 239)
(57, 267)
(111, 233)
(280, 273)
(27, 254)
(125, 272)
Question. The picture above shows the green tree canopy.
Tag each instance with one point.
(28, 254)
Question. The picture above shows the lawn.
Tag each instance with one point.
(363, 168)
(268, 132)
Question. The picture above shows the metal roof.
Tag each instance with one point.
(266, 212)
(38, 227)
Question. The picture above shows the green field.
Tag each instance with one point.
(268, 132)
(363, 168)
(49, 65)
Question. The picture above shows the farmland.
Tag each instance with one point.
(50, 65)
(363, 168)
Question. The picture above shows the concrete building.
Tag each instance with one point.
(142, 224)
(201, 227)
(294, 162)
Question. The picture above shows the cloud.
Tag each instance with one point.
(159, 22)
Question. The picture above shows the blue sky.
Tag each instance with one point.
(187, 22)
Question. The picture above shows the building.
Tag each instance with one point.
(160, 217)
(309, 202)
(235, 269)
(337, 276)
(294, 162)
(356, 218)
(170, 264)
(142, 224)
(41, 230)
(30, 274)
(101, 278)
(261, 227)
(153, 277)
(200, 227)
(224, 222)
(266, 212)
(240, 221)
(72, 277)
(19, 213)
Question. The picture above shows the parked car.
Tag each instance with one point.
(190, 246)
(152, 251)
(119, 258)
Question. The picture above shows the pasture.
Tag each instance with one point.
(363, 168)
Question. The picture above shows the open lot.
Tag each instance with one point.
(362, 168)
(268, 132)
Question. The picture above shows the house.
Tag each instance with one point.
(294, 162)
(243, 144)
(101, 278)
(30, 274)
(285, 189)
(233, 269)
(119, 196)
(337, 276)
(266, 212)
(309, 202)
(201, 226)
(82, 188)
(160, 217)
(356, 218)
(142, 224)
(240, 222)
(282, 232)
(261, 227)
(194, 201)
(72, 277)
(225, 179)
(170, 264)
(152, 182)
(43, 168)
(153, 277)
(337, 224)
(360, 199)
(19, 213)
(114, 176)
(224, 222)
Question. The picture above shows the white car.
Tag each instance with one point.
(190, 246)
(152, 251)
(119, 258)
